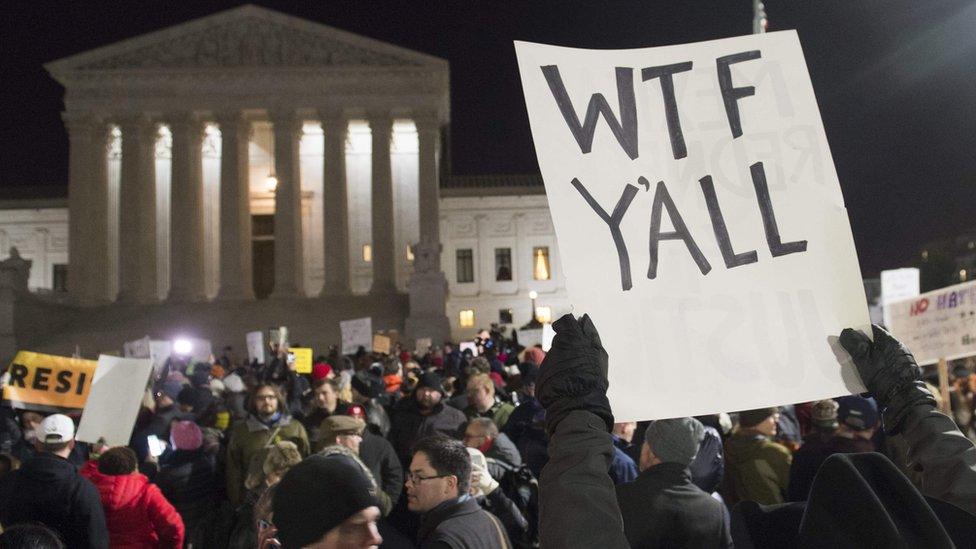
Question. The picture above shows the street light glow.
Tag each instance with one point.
(182, 346)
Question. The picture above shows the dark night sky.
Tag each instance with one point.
(895, 80)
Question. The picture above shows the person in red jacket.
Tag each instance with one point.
(137, 513)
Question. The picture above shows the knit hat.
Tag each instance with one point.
(277, 458)
(857, 412)
(823, 413)
(171, 388)
(199, 399)
(185, 435)
(321, 370)
(431, 380)
(368, 385)
(751, 418)
(317, 495)
(675, 440)
(849, 492)
(357, 411)
(336, 425)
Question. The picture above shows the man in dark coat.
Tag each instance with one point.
(187, 477)
(378, 454)
(437, 487)
(663, 508)
(423, 414)
(49, 490)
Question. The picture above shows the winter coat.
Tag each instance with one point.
(708, 467)
(408, 425)
(502, 450)
(622, 467)
(188, 479)
(314, 416)
(757, 469)
(808, 459)
(663, 508)
(461, 524)
(48, 489)
(247, 438)
(378, 454)
(507, 512)
(137, 513)
(499, 412)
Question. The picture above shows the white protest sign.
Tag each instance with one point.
(547, 334)
(255, 346)
(356, 333)
(700, 220)
(939, 324)
(159, 353)
(113, 402)
(139, 348)
(898, 285)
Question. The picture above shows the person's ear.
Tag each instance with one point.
(452, 484)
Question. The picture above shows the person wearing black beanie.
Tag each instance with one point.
(328, 501)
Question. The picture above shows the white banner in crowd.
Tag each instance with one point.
(114, 400)
(700, 220)
(156, 350)
(356, 333)
(255, 347)
(939, 324)
(897, 285)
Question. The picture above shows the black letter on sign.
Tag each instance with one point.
(40, 379)
(64, 382)
(81, 383)
(731, 258)
(625, 130)
(664, 72)
(18, 372)
(776, 245)
(731, 95)
(613, 221)
(662, 198)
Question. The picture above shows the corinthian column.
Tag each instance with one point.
(384, 254)
(336, 238)
(289, 260)
(186, 207)
(236, 276)
(137, 211)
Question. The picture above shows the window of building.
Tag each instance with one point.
(466, 318)
(503, 264)
(540, 263)
(464, 259)
(60, 278)
(543, 314)
(504, 316)
(367, 253)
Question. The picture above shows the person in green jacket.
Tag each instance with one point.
(483, 403)
(267, 423)
(757, 469)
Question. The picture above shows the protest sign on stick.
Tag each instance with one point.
(898, 285)
(381, 344)
(937, 325)
(303, 359)
(48, 383)
(114, 400)
(356, 333)
(700, 221)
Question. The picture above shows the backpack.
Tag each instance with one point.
(521, 486)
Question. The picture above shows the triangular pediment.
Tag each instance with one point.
(246, 37)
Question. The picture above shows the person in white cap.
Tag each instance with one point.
(48, 489)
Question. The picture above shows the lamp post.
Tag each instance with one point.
(534, 323)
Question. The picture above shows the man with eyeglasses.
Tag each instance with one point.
(437, 487)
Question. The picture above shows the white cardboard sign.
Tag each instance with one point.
(700, 220)
(898, 285)
(113, 403)
(939, 324)
(255, 346)
(356, 333)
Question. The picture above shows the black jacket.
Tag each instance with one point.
(663, 508)
(378, 454)
(460, 523)
(49, 490)
(408, 425)
(188, 480)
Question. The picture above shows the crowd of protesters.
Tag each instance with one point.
(500, 447)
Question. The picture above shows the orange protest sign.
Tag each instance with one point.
(381, 344)
(47, 382)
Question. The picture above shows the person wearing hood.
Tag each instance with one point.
(187, 477)
(757, 469)
(48, 489)
(267, 423)
(437, 487)
(136, 512)
(423, 414)
(663, 507)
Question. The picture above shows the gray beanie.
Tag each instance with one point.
(675, 440)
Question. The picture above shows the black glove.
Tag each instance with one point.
(573, 375)
(889, 372)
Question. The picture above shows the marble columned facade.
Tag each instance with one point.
(218, 78)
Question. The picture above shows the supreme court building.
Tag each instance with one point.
(251, 169)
